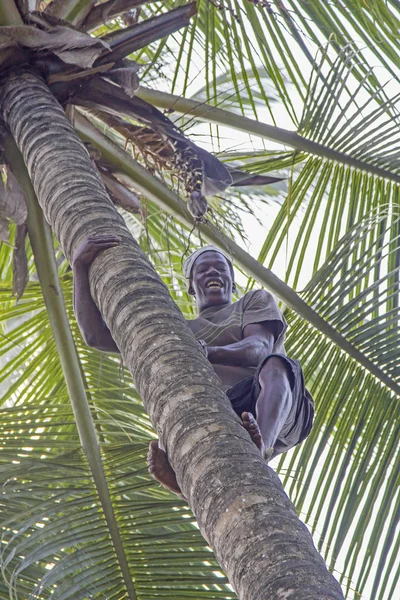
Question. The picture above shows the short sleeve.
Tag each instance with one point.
(260, 306)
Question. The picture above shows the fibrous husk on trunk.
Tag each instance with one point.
(72, 47)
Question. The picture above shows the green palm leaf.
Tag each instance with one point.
(357, 416)
(61, 544)
(337, 234)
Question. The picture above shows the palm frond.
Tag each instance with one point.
(61, 546)
(336, 237)
(356, 429)
(364, 126)
(49, 491)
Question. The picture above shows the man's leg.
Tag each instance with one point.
(272, 409)
(160, 468)
(273, 405)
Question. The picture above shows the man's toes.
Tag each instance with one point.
(246, 419)
(153, 448)
(152, 453)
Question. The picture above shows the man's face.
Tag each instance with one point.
(211, 280)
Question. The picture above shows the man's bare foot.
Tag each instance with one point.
(160, 468)
(251, 426)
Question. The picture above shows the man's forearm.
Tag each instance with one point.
(90, 321)
(246, 353)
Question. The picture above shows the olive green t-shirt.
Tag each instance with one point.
(220, 326)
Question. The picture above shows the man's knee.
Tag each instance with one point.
(274, 368)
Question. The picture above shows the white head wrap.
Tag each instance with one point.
(189, 262)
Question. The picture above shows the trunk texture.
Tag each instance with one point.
(239, 502)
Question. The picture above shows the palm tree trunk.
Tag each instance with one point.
(239, 502)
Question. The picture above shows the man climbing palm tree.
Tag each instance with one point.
(243, 340)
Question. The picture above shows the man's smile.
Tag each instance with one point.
(214, 284)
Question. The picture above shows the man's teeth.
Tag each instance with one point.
(214, 284)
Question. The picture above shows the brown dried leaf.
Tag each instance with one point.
(121, 195)
(13, 204)
(73, 47)
(73, 75)
(20, 262)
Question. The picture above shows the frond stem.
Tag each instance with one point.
(9, 13)
(219, 116)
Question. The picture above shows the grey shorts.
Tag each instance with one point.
(243, 397)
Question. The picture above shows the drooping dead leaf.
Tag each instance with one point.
(73, 47)
(13, 205)
(126, 76)
(20, 262)
(4, 230)
(194, 164)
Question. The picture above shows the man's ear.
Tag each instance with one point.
(234, 288)
(191, 290)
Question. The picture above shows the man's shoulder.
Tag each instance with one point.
(257, 297)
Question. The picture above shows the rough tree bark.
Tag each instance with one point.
(239, 502)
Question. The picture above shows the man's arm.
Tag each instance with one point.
(258, 341)
(94, 331)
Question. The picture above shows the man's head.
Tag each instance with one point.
(211, 277)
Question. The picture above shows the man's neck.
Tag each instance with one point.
(215, 306)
